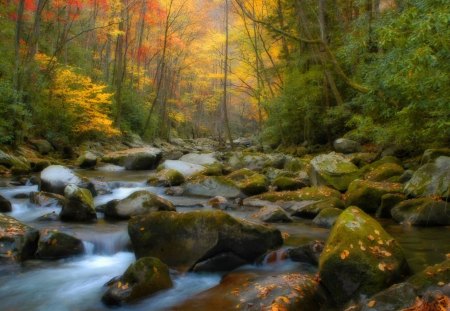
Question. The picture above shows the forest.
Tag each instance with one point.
(225, 155)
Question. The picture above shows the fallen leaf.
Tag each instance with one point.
(345, 253)
(370, 237)
(377, 233)
(371, 303)
(382, 266)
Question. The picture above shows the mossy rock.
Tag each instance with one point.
(367, 194)
(215, 169)
(87, 160)
(430, 155)
(384, 160)
(249, 182)
(211, 186)
(307, 193)
(388, 202)
(422, 212)
(17, 165)
(79, 206)
(135, 159)
(54, 244)
(360, 159)
(166, 178)
(333, 170)
(256, 161)
(359, 257)
(384, 172)
(297, 164)
(287, 183)
(311, 208)
(5, 205)
(272, 214)
(198, 236)
(143, 278)
(431, 278)
(327, 217)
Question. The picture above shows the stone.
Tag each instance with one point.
(211, 186)
(146, 158)
(185, 168)
(87, 160)
(79, 206)
(327, 217)
(256, 161)
(42, 146)
(200, 158)
(249, 182)
(47, 199)
(430, 155)
(343, 145)
(272, 214)
(422, 212)
(219, 202)
(55, 178)
(388, 201)
(5, 205)
(54, 244)
(384, 172)
(283, 183)
(307, 253)
(166, 178)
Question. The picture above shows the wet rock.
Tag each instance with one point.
(272, 214)
(166, 178)
(54, 244)
(308, 253)
(55, 178)
(360, 159)
(359, 257)
(5, 205)
(87, 160)
(138, 203)
(17, 165)
(18, 241)
(327, 217)
(287, 183)
(333, 170)
(220, 263)
(430, 155)
(384, 172)
(367, 194)
(249, 182)
(220, 203)
(256, 161)
(48, 217)
(174, 191)
(211, 186)
(406, 176)
(185, 168)
(79, 206)
(47, 199)
(431, 179)
(344, 145)
(308, 193)
(143, 278)
(135, 159)
(198, 236)
(38, 165)
(216, 169)
(42, 146)
(388, 201)
(200, 158)
(422, 212)
(311, 208)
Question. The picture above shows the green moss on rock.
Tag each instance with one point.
(422, 212)
(384, 172)
(287, 183)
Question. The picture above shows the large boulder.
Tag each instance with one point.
(185, 168)
(143, 278)
(367, 194)
(284, 183)
(211, 186)
(199, 236)
(422, 212)
(385, 171)
(327, 217)
(272, 214)
(343, 145)
(166, 178)
(312, 208)
(249, 182)
(55, 178)
(333, 170)
(256, 161)
(138, 203)
(388, 202)
(54, 244)
(307, 253)
(47, 199)
(146, 158)
(431, 179)
(18, 241)
(200, 158)
(42, 146)
(79, 206)
(359, 257)
(307, 193)
(5, 205)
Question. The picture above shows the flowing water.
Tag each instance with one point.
(77, 284)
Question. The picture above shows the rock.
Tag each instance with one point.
(55, 178)
(256, 161)
(38, 165)
(388, 201)
(384, 172)
(110, 168)
(333, 170)
(308, 253)
(307, 193)
(272, 214)
(138, 203)
(296, 164)
(199, 236)
(422, 212)
(216, 169)
(5, 205)
(359, 257)
(166, 178)
(17, 165)
(343, 145)
(406, 176)
(54, 244)
(87, 160)
(211, 186)
(79, 206)
(432, 278)
(135, 159)
(185, 168)
(47, 199)
(360, 159)
(200, 158)
(174, 191)
(249, 182)
(220, 263)
(287, 183)
(18, 241)
(48, 217)
(367, 194)
(431, 179)
(220, 203)
(42, 146)
(255, 292)
(143, 278)
(311, 208)
(430, 155)
(327, 217)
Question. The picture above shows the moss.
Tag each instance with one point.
(384, 171)
(215, 169)
(327, 217)
(388, 201)
(387, 159)
(249, 182)
(287, 183)
(307, 193)
(422, 212)
(431, 277)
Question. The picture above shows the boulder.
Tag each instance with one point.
(333, 170)
(166, 178)
(143, 278)
(256, 161)
(283, 183)
(222, 262)
(249, 182)
(79, 206)
(199, 236)
(359, 257)
(185, 168)
(307, 193)
(55, 178)
(272, 214)
(220, 203)
(138, 203)
(17, 165)
(343, 145)
(367, 194)
(384, 172)
(388, 201)
(38, 165)
(215, 169)
(430, 155)
(200, 158)
(308, 253)
(18, 241)
(54, 244)
(311, 208)
(47, 199)
(42, 146)
(431, 179)
(5, 205)
(422, 212)
(327, 217)
(87, 160)
(211, 186)
(146, 158)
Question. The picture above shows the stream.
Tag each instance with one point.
(78, 283)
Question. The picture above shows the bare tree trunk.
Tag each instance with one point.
(225, 121)
(18, 36)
